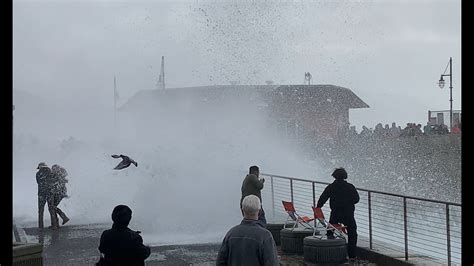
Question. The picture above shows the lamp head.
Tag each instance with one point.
(441, 82)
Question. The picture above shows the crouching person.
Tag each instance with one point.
(248, 243)
(121, 245)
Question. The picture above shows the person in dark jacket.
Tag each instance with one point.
(252, 185)
(342, 199)
(248, 243)
(59, 190)
(44, 178)
(121, 245)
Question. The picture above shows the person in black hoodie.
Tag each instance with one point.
(342, 199)
(121, 245)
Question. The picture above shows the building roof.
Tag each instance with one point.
(262, 94)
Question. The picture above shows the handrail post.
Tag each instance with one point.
(291, 190)
(314, 195)
(370, 220)
(273, 197)
(448, 236)
(405, 226)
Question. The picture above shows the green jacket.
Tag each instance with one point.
(251, 186)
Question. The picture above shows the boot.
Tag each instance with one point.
(62, 215)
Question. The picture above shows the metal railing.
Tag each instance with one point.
(415, 225)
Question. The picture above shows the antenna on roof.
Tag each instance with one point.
(307, 78)
(161, 79)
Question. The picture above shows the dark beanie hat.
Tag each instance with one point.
(121, 215)
(339, 173)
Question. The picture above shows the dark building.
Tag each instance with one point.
(299, 111)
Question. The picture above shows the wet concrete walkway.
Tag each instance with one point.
(77, 245)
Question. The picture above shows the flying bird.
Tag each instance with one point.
(126, 161)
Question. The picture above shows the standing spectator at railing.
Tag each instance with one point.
(444, 129)
(365, 133)
(456, 130)
(395, 131)
(378, 131)
(252, 185)
(427, 129)
(352, 132)
(407, 131)
(417, 130)
(386, 131)
(342, 197)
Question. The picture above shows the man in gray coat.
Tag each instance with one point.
(248, 243)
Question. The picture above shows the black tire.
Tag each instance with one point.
(279, 226)
(275, 230)
(291, 241)
(273, 226)
(324, 250)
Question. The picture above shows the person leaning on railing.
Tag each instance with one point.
(342, 197)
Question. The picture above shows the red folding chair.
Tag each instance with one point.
(338, 229)
(295, 217)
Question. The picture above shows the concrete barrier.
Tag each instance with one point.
(27, 254)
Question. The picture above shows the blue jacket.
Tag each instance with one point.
(248, 243)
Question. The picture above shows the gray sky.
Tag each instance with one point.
(390, 53)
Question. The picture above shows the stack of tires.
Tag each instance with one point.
(275, 229)
(292, 240)
(325, 251)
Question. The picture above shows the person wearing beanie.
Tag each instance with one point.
(120, 245)
(342, 197)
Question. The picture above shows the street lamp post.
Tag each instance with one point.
(441, 85)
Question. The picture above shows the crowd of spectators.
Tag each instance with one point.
(402, 160)
(411, 129)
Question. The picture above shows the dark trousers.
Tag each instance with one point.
(42, 200)
(261, 217)
(55, 201)
(348, 220)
